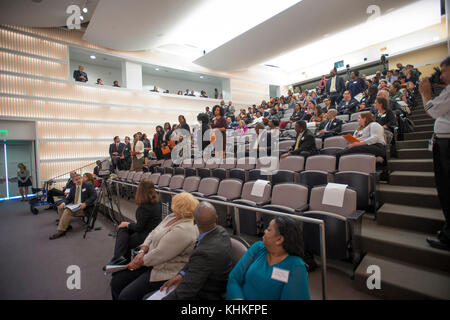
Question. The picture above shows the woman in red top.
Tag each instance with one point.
(219, 125)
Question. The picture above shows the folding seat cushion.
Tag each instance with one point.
(342, 224)
(355, 116)
(331, 151)
(335, 142)
(207, 187)
(250, 221)
(286, 145)
(343, 117)
(349, 127)
(176, 182)
(137, 177)
(318, 143)
(229, 189)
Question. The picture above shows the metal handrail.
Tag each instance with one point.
(237, 206)
(78, 169)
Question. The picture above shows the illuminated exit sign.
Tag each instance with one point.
(3, 133)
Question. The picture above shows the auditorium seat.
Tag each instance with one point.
(286, 145)
(155, 178)
(287, 198)
(282, 176)
(207, 187)
(342, 226)
(229, 189)
(318, 143)
(349, 127)
(355, 116)
(164, 180)
(343, 117)
(256, 174)
(318, 170)
(335, 142)
(238, 173)
(238, 248)
(358, 171)
(176, 182)
(250, 220)
(190, 184)
(219, 173)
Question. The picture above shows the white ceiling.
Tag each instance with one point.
(41, 13)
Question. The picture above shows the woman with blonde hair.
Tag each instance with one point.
(163, 254)
(24, 181)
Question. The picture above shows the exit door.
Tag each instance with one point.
(11, 154)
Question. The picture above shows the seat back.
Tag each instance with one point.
(289, 195)
(246, 163)
(146, 175)
(230, 188)
(190, 184)
(219, 173)
(137, 177)
(176, 182)
(321, 162)
(256, 174)
(358, 162)
(164, 180)
(130, 176)
(238, 248)
(348, 207)
(228, 163)
(343, 117)
(351, 126)
(247, 192)
(355, 116)
(209, 186)
(167, 163)
(293, 163)
(237, 174)
(318, 143)
(359, 181)
(283, 176)
(155, 178)
(335, 142)
(285, 145)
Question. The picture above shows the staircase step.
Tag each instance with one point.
(401, 280)
(410, 196)
(414, 153)
(423, 121)
(418, 135)
(423, 127)
(411, 165)
(416, 117)
(405, 245)
(412, 178)
(412, 144)
(419, 219)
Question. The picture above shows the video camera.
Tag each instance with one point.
(436, 82)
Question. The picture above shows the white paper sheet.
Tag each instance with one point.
(258, 188)
(158, 295)
(334, 194)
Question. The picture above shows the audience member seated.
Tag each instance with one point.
(148, 217)
(99, 82)
(229, 110)
(80, 75)
(370, 135)
(262, 143)
(390, 77)
(305, 143)
(348, 105)
(203, 94)
(205, 276)
(328, 106)
(385, 117)
(116, 84)
(242, 128)
(318, 116)
(187, 92)
(310, 106)
(88, 178)
(191, 94)
(232, 124)
(81, 193)
(52, 193)
(356, 85)
(98, 167)
(166, 91)
(165, 251)
(272, 269)
(369, 98)
(180, 93)
(331, 126)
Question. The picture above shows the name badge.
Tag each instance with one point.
(83, 190)
(280, 275)
(302, 139)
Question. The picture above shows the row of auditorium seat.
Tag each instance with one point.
(284, 197)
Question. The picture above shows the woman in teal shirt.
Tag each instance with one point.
(272, 269)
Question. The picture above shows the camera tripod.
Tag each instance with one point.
(104, 191)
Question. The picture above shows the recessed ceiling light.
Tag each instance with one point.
(93, 57)
(81, 18)
(157, 69)
(85, 10)
(201, 77)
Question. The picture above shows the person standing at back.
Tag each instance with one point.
(80, 75)
(24, 181)
(439, 109)
(335, 87)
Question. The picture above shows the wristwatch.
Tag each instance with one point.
(141, 251)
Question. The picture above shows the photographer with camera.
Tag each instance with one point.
(439, 109)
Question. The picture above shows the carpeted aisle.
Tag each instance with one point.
(34, 267)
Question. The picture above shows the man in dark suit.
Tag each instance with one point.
(205, 275)
(330, 127)
(335, 87)
(262, 144)
(115, 151)
(83, 194)
(348, 105)
(305, 143)
(80, 75)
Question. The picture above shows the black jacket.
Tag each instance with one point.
(88, 194)
(307, 143)
(120, 149)
(148, 216)
(388, 118)
(206, 273)
(349, 107)
(78, 73)
(335, 127)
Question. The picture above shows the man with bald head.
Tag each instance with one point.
(205, 275)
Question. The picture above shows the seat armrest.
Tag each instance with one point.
(178, 190)
(278, 208)
(165, 188)
(245, 202)
(356, 215)
(198, 194)
(260, 204)
(220, 198)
